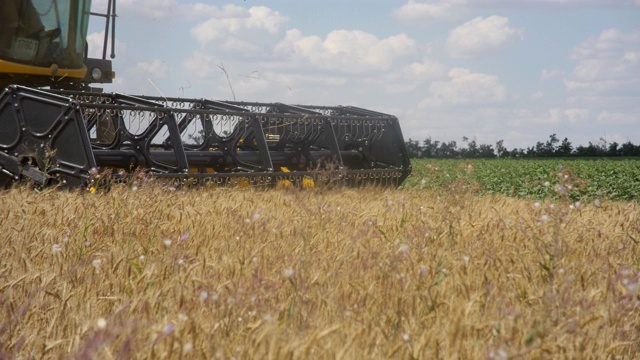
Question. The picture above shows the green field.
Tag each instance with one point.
(585, 180)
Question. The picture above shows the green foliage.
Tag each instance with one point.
(553, 147)
(576, 179)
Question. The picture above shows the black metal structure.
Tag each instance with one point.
(59, 137)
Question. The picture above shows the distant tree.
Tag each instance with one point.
(413, 148)
(428, 148)
(486, 151)
(629, 149)
(531, 151)
(447, 150)
(517, 153)
(550, 145)
(501, 151)
(591, 150)
(565, 148)
(472, 150)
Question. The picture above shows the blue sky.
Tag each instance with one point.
(516, 70)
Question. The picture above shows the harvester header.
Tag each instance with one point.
(64, 137)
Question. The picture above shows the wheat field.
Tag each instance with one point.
(152, 272)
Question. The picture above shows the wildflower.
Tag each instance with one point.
(56, 248)
(547, 184)
(631, 286)
(404, 249)
(544, 218)
(187, 348)
(204, 295)
(536, 205)
(422, 270)
(96, 264)
(596, 202)
(180, 262)
(168, 330)
(101, 323)
(167, 242)
(92, 189)
(142, 257)
(406, 337)
(288, 272)
(182, 317)
(465, 259)
(184, 236)
(498, 354)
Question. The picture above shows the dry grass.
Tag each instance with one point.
(368, 273)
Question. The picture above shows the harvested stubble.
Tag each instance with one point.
(364, 273)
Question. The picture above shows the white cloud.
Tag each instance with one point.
(551, 74)
(481, 36)
(618, 118)
(537, 95)
(416, 10)
(237, 28)
(465, 87)
(575, 115)
(348, 51)
(607, 64)
(426, 70)
(95, 43)
(527, 118)
(201, 65)
(154, 70)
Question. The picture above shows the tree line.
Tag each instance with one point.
(553, 147)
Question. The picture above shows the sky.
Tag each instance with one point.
(487, 70)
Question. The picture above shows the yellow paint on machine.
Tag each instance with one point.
(8, 67)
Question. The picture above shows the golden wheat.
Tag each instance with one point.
(289, 274)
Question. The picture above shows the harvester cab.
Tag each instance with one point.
(56, 129)
(43, 44)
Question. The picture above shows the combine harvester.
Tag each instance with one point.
(56, 129)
